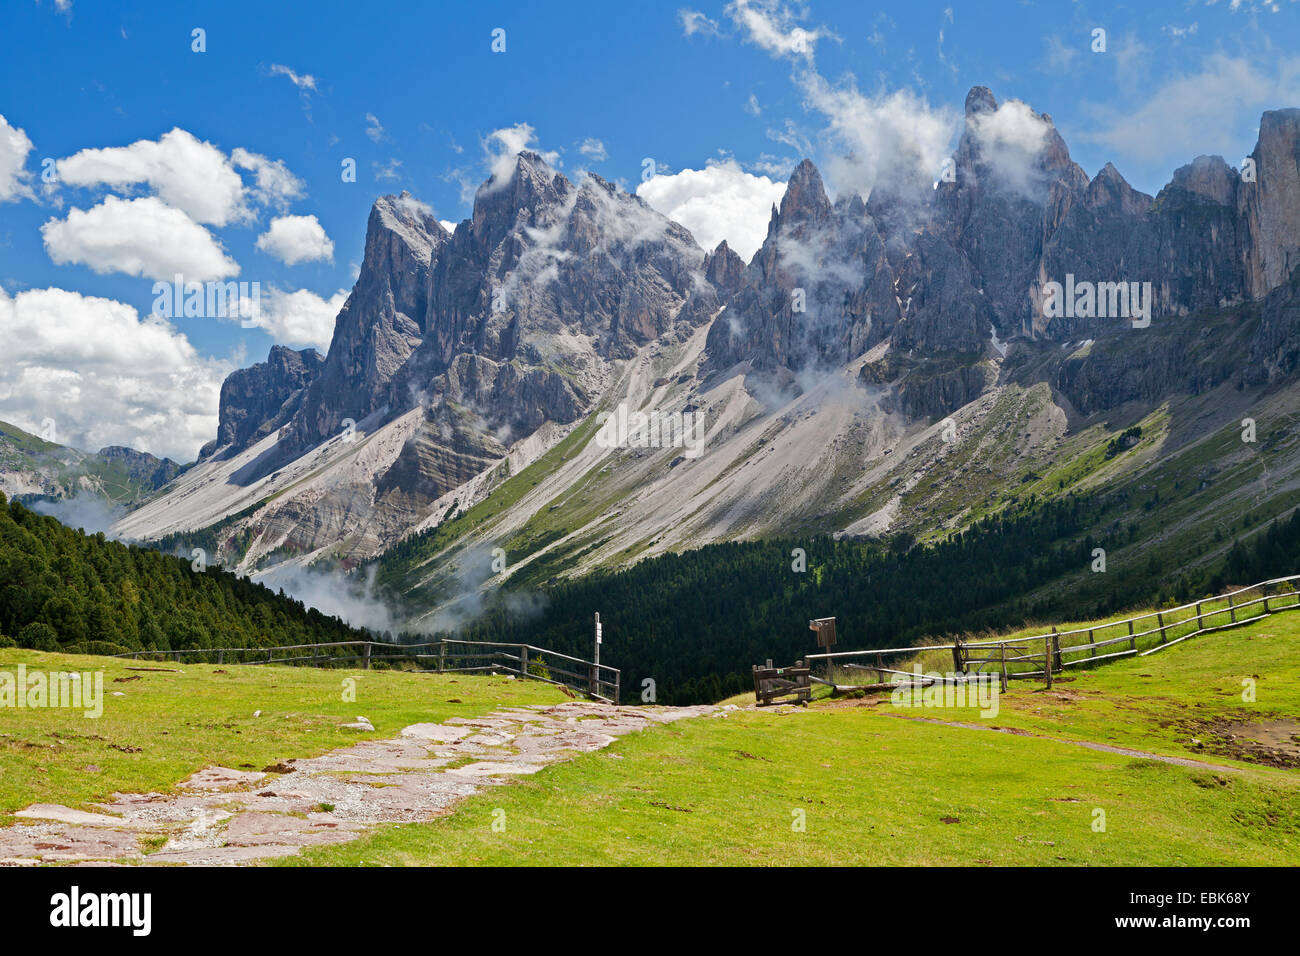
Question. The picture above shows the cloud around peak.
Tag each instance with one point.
(721, 201)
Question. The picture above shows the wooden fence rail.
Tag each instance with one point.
(1041, 656)
(598, 681)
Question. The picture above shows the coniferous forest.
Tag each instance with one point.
(62, 590)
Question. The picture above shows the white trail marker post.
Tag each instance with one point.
(595, 669)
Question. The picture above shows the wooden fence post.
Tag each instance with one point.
(442, 656)
(957, 663)
(1232, 609)
(221, 656)
(366, 664)
(1160, 619)
(1132, 641)
(1003, 648)
(1047, 660)
(1092, 644)
(1056, 650)
(523, 661)
(1200, 625)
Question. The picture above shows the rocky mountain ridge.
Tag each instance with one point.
(824, 367)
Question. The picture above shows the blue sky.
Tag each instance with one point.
(416, 96)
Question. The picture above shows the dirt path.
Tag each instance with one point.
(1091, 745)
(222, 817)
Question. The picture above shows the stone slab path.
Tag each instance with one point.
(226, 817)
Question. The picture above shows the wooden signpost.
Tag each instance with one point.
(825, 628)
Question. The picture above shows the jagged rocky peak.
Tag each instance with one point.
(817, 290)
(507, 200)
(1022, 156)
(1269, 199)
(406, 220)
(724, 268)
(805, 199)
(259, 399)
(382, 321)
(1110, 189)
(979, 100)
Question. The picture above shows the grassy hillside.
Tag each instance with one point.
(46, 469)
(877, 788)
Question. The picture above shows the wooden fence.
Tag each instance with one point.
(598, 681)
(1044, 655)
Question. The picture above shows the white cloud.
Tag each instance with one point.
(721, 201)
(193, 176)
(14, 147)
(104, 376)
(295, 239)
(894, 137)
(503, 145)
(299, 318)
(1011, 140)
(772, 25)
(274, 184)
(304, 81)
(387, 171)
(593, 149)
(1060, 58)
(752, 107)
(694, 22)
(374, 129)
(1215, 110)
(1251, 6)
(142, 237)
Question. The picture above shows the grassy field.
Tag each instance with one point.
(845, 781)
(181, 718)
(876, 789)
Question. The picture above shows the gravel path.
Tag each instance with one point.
(226, 817)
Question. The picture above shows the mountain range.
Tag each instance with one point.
(882, 367)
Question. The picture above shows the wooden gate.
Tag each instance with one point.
(772, 683)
